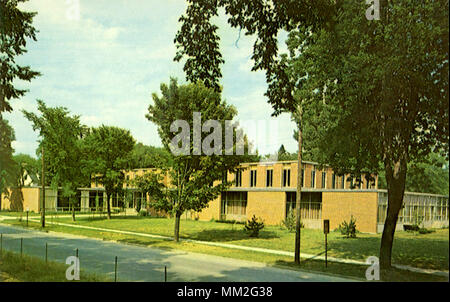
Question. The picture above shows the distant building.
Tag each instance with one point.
(268, 190)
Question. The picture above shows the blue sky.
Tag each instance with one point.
(104, 63)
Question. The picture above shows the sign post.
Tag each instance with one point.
(326, 230)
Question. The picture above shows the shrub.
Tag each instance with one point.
(348, 229)
(425, 231)
(143, 213)
(254, 226)
(291, 222)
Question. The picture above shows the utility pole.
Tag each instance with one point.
(299, 184)
(43, 189)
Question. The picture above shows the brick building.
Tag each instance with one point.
(268, 190)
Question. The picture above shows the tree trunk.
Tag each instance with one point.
(395, 178)
(177, 226)
(108, 206)
(299, 187)
(73, 212)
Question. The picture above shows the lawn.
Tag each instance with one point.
(410, 248)
(428, 251)
(16, 268)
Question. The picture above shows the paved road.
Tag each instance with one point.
(137, 263)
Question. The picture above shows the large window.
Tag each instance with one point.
(313, 179)
(233, 204)
(269, 178)
(252, 178)
(310, 206)
(286, 182)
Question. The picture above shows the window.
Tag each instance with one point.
(252, 178)
(303, 177)
(286, 177)
(238, 178)
(324, 179)
(225, 177)
(343, 181)
(333, 181)
(269, 178)
(233, 203)
(313, 179)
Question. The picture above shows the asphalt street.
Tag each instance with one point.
(138, 263)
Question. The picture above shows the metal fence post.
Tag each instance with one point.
(46, 252)
(165, 273)
(21, 247)
(1, 244)
(115, 270)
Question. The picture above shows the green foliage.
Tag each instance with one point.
(197, 40)
(107, 152)
(26, 166)
(348, 229)
(61, 140)
(7, 165)
(192, 176)
(253, 226)
(425, 231)
(144, 156)
(290, 223)
(429, 175)
(15, 30)
(143, 213)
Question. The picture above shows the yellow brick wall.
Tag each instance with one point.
(212, 211)
(29, 201)
(270, 206)
(339, 206)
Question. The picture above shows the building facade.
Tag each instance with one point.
(268, 190)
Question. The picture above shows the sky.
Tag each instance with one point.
(102, 60)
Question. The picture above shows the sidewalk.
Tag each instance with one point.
(247, 248)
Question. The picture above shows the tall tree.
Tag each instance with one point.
(15, 27)
(6, 159)
(144, 156)
(194, 174)
(197, 41)
(381, 91)
(60, 135)
(108, 150)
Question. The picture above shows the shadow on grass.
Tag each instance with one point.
(221, 235)
(419, 252)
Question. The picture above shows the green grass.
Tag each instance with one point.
(312, 242)
(414, 249)
(16, 268)
(19, 214)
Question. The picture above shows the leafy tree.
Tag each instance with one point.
(430, 175)
(381, 86)
(191, 176)
(15, 27)
(61, 141)
(144, 156)
(197, 41)
(26, 166)
(6, 160)
(380, 92)
(108, 149)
